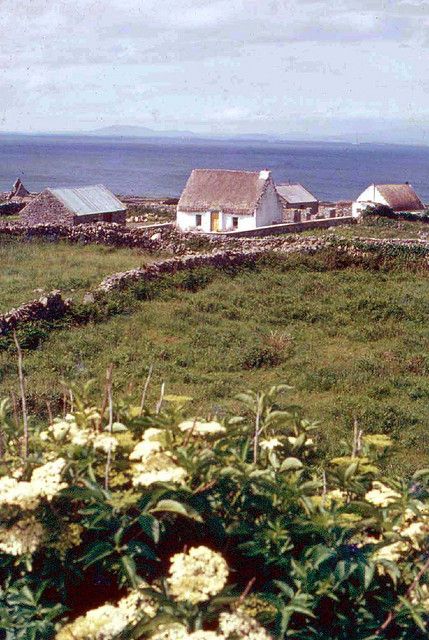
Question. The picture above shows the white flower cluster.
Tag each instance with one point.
(197, 575)
(198, 427)
(239, 625)
(21, 538)
(156, 464)
(45, 482)
(67, 429)
(231, 626)
(107, 621)
(381, 495)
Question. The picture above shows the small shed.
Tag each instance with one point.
(399, 197)
(295, 197)
(224, 200)
(73, 206)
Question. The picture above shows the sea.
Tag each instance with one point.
(159, 167)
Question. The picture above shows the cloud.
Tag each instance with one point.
(245, 63)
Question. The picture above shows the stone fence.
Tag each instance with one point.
(291, 227)
(54, 306)
(49, 307)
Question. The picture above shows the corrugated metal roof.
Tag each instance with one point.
(294, 193)
(88, 200)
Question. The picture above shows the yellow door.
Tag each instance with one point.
(214, 221)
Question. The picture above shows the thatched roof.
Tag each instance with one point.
(295, 194)
(236, 192)
(400, 197)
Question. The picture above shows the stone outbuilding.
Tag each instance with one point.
(223, 200)
(296, 199)
(74, 206)
(18, 191)
(398, 197)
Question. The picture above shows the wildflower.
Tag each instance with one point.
(46, 480)
(270, 444)
(239, 625)
(336, 496)
(103, 622)
(197, 575)
(19, 494)
(70, 536)
(174, 631)
(202, 428)
(177, 631)
(107, 621)
(158, 468)
(105, 442)
(415, 532)
(152, 442)
(22, 537)
(134, 605)
(390, 552)
(381, 495)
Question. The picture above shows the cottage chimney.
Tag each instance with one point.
(264, 174)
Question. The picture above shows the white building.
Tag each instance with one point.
(399, 197)
(220, 200)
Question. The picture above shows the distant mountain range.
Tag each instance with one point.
(130, 131)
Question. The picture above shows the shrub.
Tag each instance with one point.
(129, 523)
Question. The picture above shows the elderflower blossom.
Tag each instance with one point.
(158, 468)
(197, 575)
(202, 428)
(18, 494)
(380, 495)
(391, 552)
(22, 537)
(239, 625)
(270, 444)
(415, 532)
(46, 479)
(150, 444)
(105, 442)
(107, 621)
(177, 631)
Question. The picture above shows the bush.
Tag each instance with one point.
(128, 523)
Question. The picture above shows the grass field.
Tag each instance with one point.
(352, 342)
(376, 228)
(28, 268)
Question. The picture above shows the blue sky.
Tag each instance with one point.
(306, 69)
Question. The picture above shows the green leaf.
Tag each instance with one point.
(172, 506)
(97, 552)
(291, 464)
(150, 526)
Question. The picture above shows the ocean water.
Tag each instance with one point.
(160, 167)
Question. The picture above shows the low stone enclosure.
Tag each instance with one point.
(53, 306)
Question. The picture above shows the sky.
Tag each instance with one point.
(303, 69)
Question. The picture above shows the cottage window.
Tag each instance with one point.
(235, 222)
(198, 220)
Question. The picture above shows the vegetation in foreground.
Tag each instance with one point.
(351, 337)
(31, 267)
(118, 522)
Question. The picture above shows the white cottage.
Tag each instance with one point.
(220, 200)
(399, 197)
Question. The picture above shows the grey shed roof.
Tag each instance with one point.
(294, 193)
(88, 200)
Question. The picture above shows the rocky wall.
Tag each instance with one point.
(49, 307)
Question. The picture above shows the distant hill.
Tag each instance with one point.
(140, 132)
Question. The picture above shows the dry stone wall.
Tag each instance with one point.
(49, 307)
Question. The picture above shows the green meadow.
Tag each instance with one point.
(352, 341)
(29, 268)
